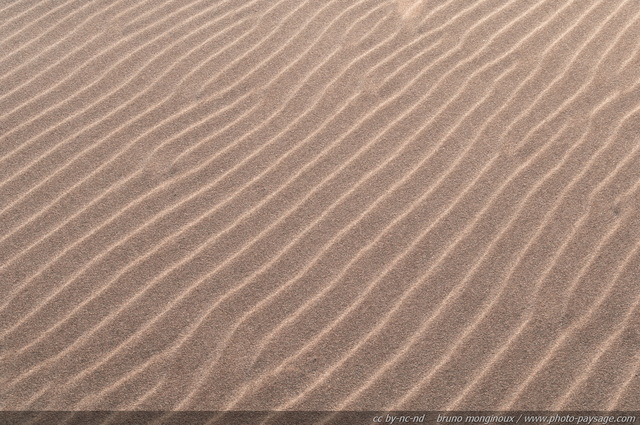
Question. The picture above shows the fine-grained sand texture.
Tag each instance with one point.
(305, 204)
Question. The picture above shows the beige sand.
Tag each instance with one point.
(299, 204)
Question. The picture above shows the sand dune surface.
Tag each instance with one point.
(320, 205)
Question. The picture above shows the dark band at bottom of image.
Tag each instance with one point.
(319, 417)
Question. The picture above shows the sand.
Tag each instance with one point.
(320, 205)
